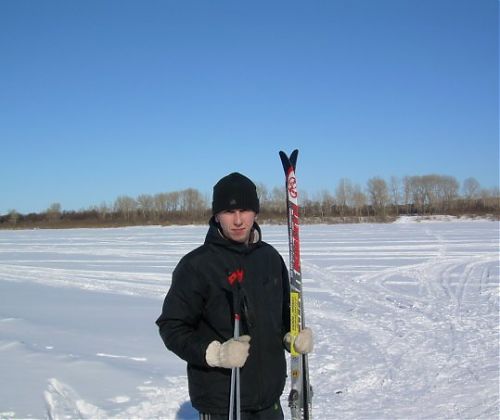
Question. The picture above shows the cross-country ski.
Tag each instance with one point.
(300, 398)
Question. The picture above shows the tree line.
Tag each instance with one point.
(380, 200)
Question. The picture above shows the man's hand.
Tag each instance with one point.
(231, 354)
(304, 342)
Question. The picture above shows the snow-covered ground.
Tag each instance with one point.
(406, 320)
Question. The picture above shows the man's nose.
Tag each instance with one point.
(237, 217)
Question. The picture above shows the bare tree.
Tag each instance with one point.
(416, 187)
(407, 193)
(343, 195)
(326, 203)
(192, 202)
(146, 205)
(449, 187)
(359, 200)
(395, 188)
(126, 206)
(160, 204)
(262, 193)
(471, 189)
(432, 192)
(303, 201)
(54, 212)
(277, 200)
(103, 211)
(174, 201)
(490, 198)
(13, 216)
(379, 195)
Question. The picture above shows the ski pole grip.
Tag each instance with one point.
(236, 309)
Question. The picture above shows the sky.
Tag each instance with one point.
(103, 98)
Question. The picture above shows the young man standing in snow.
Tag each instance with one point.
(197, 318)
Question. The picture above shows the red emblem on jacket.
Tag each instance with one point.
(235, 276)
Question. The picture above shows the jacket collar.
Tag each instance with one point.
(215, 236)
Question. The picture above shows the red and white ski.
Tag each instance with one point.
(300, 398)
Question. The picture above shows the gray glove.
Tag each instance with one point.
(231, 354)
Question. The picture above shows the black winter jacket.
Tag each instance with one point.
(198, 309)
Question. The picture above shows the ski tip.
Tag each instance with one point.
(288, 161)
(285, 161)
(293, 158)
(294, 152)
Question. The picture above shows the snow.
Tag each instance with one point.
(405, 317)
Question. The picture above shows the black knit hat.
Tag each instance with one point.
(235, 191)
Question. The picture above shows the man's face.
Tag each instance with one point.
(236, 224)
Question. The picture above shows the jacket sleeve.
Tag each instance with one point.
(286, 298)
(180, 317)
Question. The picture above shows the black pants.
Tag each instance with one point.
(272, 413)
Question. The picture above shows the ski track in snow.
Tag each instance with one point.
(405, 318)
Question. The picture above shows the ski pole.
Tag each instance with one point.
(235, 379)
(236, 277)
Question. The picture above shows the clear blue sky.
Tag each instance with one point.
(102, 98)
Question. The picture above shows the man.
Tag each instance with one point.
(197, 318)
